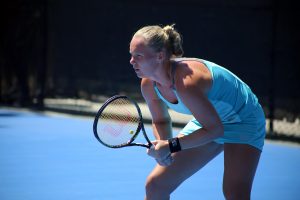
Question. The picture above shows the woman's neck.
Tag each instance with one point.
(163, 74)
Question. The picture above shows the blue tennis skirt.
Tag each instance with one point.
(251, 130)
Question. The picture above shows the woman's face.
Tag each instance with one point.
(143, 58)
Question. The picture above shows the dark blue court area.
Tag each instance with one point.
(44, 156)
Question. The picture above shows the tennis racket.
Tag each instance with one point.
(118, 123)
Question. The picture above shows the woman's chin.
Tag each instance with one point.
(140, 75)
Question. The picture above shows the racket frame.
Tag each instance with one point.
(139, 127)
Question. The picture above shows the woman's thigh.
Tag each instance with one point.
(185, 164)
(240, 163)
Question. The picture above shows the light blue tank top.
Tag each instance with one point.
(230, 96)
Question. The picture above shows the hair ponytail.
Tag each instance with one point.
(160, 38)
(174, 40)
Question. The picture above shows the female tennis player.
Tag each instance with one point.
(227, 115)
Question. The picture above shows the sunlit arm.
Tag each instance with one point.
(204, 112)
(161, 121)
(162, 130)
(191, 90)
(200, 137)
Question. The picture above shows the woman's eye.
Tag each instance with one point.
(138, 56)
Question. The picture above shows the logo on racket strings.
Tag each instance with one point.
(122, 124)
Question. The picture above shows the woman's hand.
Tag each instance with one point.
(161, 153)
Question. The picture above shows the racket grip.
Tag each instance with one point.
(150, 145)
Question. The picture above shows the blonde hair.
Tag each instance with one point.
(159, 38)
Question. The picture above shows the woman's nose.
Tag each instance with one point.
(131, 60)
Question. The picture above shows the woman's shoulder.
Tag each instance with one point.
(146, 83)
(191, 72)
(190, 67)
(147, 88)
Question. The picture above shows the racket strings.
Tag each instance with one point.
(120, 110)
(118, 122)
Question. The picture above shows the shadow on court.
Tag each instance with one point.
(45, 156)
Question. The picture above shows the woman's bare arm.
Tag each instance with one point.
(161, 121)
(191, 84)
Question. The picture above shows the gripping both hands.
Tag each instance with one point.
(160, 151)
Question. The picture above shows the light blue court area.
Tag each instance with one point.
(56, 157)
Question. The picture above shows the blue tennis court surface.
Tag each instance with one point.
(56, 157)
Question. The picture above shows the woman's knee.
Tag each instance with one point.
(151, 184)
(154, 185)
